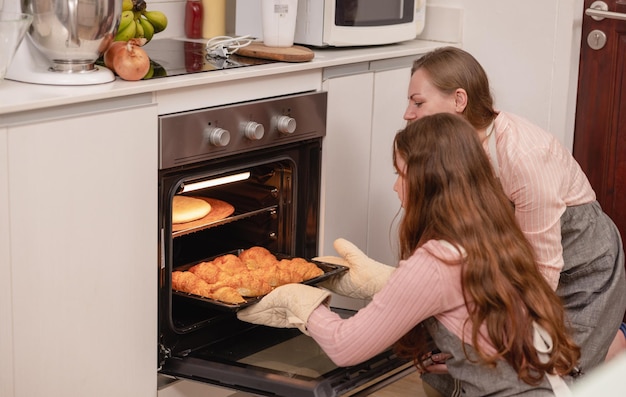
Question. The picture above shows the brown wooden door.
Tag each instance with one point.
(600, 132)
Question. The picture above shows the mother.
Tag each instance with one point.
(578, 248)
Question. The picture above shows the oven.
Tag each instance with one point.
(258, 164)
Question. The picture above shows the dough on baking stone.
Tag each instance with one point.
(186, 209)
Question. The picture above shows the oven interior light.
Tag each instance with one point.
(214, 182)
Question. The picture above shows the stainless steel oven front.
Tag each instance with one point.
(258, 163)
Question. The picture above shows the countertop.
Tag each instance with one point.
(20, 97)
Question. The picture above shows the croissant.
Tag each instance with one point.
(246, 284)
(255, 272)
(230, 263)
(305, 269)
(190, 283)
(206, 271)
(227, 294)
(257, 257)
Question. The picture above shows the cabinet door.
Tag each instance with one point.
(346, 160)
(6, 311)
(346, 166)
(83, 235)
(390, 92)
(365, 111)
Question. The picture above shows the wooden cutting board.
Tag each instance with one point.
(294, 53)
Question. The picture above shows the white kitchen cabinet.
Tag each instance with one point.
(390, 101)
(78, 229)
(346, 159)
(366, 102)
(6, 329)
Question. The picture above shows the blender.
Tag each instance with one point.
(64, 40)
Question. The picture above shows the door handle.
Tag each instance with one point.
(598, 10)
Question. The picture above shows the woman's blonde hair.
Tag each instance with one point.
(452, 194)
(450, 68)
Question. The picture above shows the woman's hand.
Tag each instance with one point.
(436, 363)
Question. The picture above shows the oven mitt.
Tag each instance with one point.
(287, 306)
(365, 276)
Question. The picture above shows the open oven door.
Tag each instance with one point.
(282, 362)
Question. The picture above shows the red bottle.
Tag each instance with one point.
(193, 19)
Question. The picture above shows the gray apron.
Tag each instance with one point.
(468, 378)
(592, 284)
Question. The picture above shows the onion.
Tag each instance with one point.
(109, 54)
(105, 43)
(130, 62)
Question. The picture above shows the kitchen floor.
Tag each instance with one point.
(409, 386)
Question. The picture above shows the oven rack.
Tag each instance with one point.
(232, 218)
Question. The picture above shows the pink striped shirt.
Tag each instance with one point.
(541, 178)
(422, 286)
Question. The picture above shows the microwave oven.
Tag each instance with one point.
(342, 23)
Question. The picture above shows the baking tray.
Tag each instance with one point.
(329, 269)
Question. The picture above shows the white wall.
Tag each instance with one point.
(530, 51)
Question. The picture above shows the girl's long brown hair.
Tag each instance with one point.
(452, 194)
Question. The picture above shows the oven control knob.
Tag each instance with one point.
(253, 131)
(286, 124)
(217, 136)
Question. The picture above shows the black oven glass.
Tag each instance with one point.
(373, 12)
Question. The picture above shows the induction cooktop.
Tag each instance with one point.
(174, 57)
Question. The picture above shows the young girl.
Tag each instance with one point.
(467, 278)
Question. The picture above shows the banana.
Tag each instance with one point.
(127, 5)
(159, 70)
(127, 33)
(157, 19)
(126, 18)
(140, 5)
(148, 29)
(145, 24)
(150, 72)
(138, 29)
